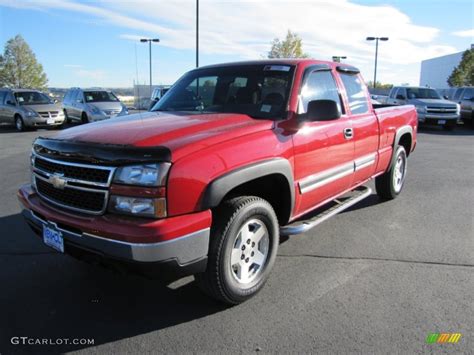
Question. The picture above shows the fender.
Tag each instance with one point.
(219, 187)
(400, 132)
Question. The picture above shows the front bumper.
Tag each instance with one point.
(39, 121)
(185, 252)
(433, 118)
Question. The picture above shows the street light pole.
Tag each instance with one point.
(150, 40)
(197, 33)
(376, 39)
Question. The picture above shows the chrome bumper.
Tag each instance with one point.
(184, 250)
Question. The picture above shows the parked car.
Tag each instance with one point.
(464, 96)
(90, 105)
(207, 182)
(29, 109)
(157, 94)
(430, 106)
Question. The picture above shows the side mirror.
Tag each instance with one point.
(80, 101)
(322, 110)
(55, 101)
(446, 97)
(10, 102)
(401, 97)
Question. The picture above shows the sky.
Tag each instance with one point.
(96, 43)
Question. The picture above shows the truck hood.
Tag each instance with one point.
(180, 133)
(432, 102)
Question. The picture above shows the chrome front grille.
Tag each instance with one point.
(49, 114)
(78, 187)
(442, 110)
(112, 112)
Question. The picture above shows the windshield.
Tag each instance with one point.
(99, 96)
(260, 91)
(422, 93)
(32, 98)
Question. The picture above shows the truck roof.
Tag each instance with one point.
(277, 61)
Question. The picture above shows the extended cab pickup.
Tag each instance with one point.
(232, 157)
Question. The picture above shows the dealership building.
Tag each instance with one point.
(436, 71)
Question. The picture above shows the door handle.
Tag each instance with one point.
(348, 133)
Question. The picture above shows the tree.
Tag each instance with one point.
(463, 74)
(379, 85)
(290, 47)
(19, 67)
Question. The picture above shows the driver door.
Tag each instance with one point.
(324, 151)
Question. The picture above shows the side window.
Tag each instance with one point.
(79, 96)
(319, 85)
(458, 93)
(468, 94)
(402, 91)
(355, 93)
(9, 97)
(2, 96)
(393, 93)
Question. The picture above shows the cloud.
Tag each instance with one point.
(465, 33)
(244, 29)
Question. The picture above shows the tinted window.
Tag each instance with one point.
(422, 93)
(67, 96)
(9, 97)
(402, 91)
(355, 93)
(319, 85)
(99, 96)
(393, 93)
(468, 94)
(457, 95)
(2, 96)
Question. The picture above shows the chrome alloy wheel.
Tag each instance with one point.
(399, 172)
(250, 251)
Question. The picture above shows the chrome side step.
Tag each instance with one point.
(299, 227)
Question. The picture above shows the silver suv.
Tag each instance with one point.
(26, 108)
(90, 105)
(464, 96)
(430, 106)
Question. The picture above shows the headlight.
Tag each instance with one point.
(95, 110)
(143, 175)
(420, 109)
(458, 109)
(31, 113)
(138, 206)
(124, 111)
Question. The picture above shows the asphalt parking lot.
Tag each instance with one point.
(375, 279)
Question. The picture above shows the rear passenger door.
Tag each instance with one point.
(364, 124)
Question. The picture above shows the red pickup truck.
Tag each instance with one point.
(231, 157)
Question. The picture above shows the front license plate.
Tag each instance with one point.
(441, 121)
(50, 121)
(53, 238)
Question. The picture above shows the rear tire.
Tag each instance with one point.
(242, 251)
(390, 184)
(84, 118)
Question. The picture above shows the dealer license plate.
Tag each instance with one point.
(50, 121)
(53, 238)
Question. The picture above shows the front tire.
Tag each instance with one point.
(390, 184)
(84, 118)
(242, 251)
(19, 124)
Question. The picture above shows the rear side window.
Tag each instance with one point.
(320, 85)
(355, 93)
(2, 96)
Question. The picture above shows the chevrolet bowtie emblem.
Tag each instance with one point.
(57, 181)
